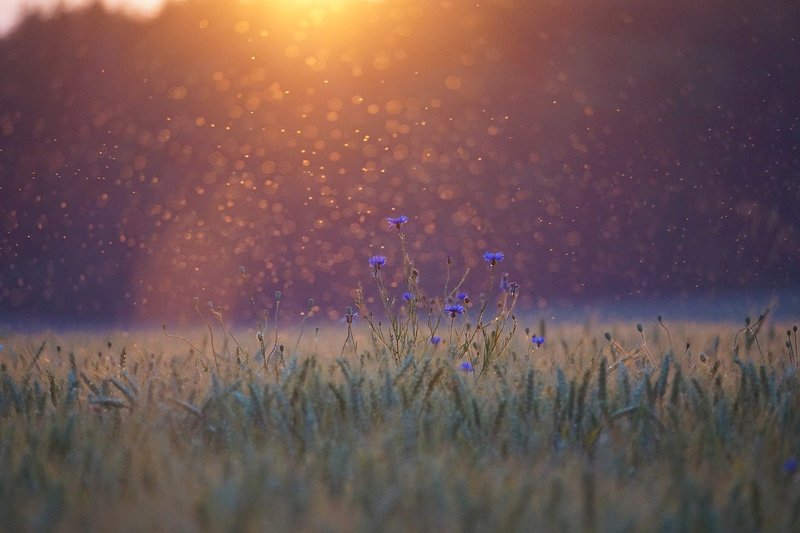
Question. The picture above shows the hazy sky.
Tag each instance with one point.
(12, 10)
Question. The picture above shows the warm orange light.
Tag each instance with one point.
(317, 8)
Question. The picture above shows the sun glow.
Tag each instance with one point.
(327, 5)
(312, 13)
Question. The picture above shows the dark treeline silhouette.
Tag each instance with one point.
(611, 148)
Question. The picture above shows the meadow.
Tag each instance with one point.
(414, 412)
(600, 427)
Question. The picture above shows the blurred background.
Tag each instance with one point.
(629, 152)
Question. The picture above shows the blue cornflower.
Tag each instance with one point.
(466, 366)
(463, 296)
(435, 340)
(407, 296)
(397, 222)
(538, 340)
(790, 466)
(454, 309)
(349, 316)
(505, 285)
(493, 257)
(377, 261)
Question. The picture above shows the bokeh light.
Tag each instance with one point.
(639, 148)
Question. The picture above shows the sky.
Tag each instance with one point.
(635, 149)
(12, 10)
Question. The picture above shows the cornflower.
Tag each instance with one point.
(397, 222)
(376, 262)
(493, 257)
(454, 309)
(466, 366)
(349, 316)
(538, 340)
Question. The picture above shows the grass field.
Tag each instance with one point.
(600, 428)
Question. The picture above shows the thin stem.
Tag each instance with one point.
(211, 333)
(187, 341)
(275, 343)
(669, 337)
(350, 338)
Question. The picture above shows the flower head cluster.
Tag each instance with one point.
(376, 262)
(454, 309)
(397, 222)
(538, 340)
(493, 257)
(467, 367)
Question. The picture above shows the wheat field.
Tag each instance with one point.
(684, 427)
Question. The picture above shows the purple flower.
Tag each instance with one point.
(435, 340)
(397, 222)
(538, 340)
(377, 261)
(790, 466)
(510, 287)
(463, 296)
(466, 366)
(493, 257)
(407, 296)
(349, 316)
(454, 309)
